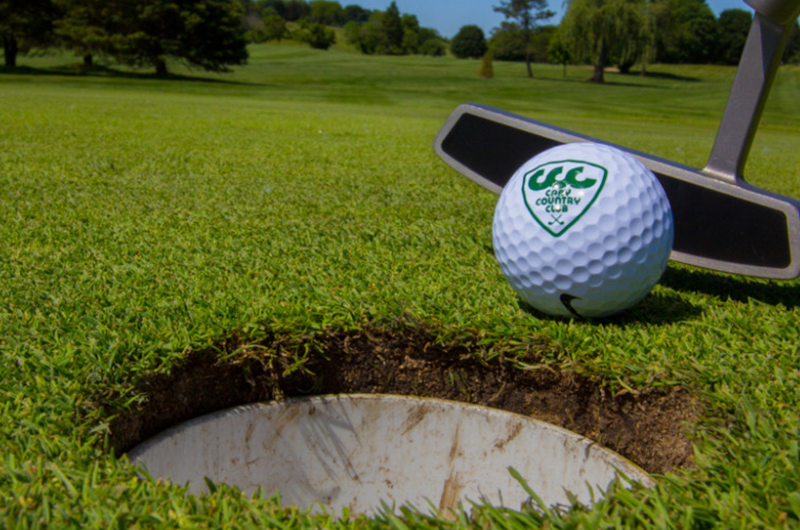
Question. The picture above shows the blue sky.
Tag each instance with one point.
(449, 15)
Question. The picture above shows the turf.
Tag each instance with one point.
(141, 219)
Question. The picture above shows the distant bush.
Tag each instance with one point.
(256, 36)
(271, 27)
(319, 36)
(469, 42)
(410, 41)
(433, 48)
(275, 27)
(487, 69)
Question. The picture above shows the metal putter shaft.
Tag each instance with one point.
(721, 222)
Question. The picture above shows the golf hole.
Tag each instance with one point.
(358, 451)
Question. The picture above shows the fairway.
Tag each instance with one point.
(173, 247)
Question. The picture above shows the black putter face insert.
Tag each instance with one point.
(721, 222)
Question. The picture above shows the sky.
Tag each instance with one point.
(448, 16)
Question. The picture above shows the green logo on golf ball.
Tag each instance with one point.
(558, 193)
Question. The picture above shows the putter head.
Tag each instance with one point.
(724, 225)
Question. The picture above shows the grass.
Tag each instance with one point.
(140, 218)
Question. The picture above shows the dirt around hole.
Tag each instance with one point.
(649, 427)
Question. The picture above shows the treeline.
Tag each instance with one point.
(621, 33)
(662, 31)
(202, 33)
(213, 34)
(371, 31)
(209, 34)
(311, 22)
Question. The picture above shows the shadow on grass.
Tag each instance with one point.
(662, 75)
(614, 78)
(655, 309)
(733, 288)
(80, 70)
(607, 82)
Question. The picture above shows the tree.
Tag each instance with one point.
(202, 33)
(486, 70)
(320, 37)
(600, 29)
(426, 34)
(326, 12)
(526, 14)
(655, 11)
(540, 43)
(25, 24)
(633, 23)
(393, 30)
(469, 42)
(270, 7)
(558, 52)
(352, 34)
(356, 13)
(295, 10)
(686, 32)
(433, 48)
(792, 52)
(274, 27)
(733, 26)
(411, 41)
(410, 21)
(87, 26)
(506, 43)
(430, 42)
(369, 36)
(389, 32)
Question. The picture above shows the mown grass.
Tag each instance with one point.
(142, 217)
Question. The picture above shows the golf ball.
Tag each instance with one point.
(584, 230)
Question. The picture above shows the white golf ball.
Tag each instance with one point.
(584, 230)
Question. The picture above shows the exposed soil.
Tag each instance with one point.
(649, 427)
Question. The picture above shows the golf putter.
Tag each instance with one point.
(721, 222)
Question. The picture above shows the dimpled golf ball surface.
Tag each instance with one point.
(583, 230)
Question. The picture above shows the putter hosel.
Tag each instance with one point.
(757, 69)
